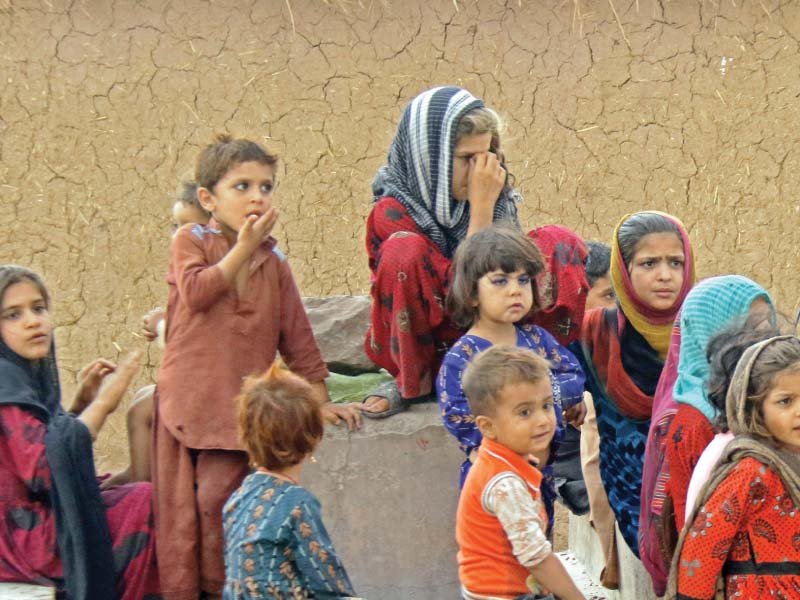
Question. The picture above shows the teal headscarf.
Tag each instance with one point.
(712, 305)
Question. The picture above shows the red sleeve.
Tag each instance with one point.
(714, 531)
(199, 283)
(387, 217)
(689, 434)
(297, 344)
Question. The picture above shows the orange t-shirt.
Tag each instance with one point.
(487, 564)
(215, 338)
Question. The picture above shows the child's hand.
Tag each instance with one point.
(89, 379)
(114, 387)
(575, 415)
(486, 180)
(256, 229)
(150, 323)
(349, 412)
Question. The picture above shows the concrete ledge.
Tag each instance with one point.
(24, 591)
(634, 581)
(389, 495)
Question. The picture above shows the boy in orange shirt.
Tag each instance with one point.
(501, 520)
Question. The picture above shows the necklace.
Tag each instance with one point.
(278, 475)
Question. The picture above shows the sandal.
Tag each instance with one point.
(389, 391)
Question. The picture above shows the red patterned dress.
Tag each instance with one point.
(748, 531)
(28, 547)
(689, 434)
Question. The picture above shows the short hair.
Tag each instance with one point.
(639, 225)
(13, 274)
(499, 366)
(495, 248)
(280, 422)
(186, 192)
(723, 353)
(598, 261)
(223, 154)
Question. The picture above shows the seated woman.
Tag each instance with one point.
(57, 528)
(443, 181)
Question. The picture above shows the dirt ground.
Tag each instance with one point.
(561, 529)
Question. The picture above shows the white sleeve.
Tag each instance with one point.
(508, 498)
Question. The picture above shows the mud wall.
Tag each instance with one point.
(612, 106)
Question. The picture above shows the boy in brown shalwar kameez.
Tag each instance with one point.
(232, 305)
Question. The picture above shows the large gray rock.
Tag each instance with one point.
(389, 495)
(340, 324)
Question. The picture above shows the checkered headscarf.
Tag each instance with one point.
(419, 168)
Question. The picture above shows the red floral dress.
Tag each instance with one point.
(748, 530)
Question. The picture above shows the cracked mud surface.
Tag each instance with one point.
(679, 105)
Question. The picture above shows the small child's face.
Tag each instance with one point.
(187, 213)
(781, 409)
(601, 294)
(524, 419)
(244, 191)
(504, 297)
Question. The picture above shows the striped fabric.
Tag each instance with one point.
(711, 305)
(419, 168)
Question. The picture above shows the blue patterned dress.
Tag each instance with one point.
(276, 545)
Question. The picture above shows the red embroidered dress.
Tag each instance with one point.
(749, 530)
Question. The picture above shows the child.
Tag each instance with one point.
(276, 545)
(742, 536)
(492, 293)
(185, 209)
(501, 521)
(601, 295)
(58, 528)
(682, 422)
(232, 305)
(598, 263)
(652, 269)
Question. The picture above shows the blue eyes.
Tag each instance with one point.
(501, 281)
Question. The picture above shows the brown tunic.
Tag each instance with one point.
(215, 338)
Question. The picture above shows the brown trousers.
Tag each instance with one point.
(190, 488)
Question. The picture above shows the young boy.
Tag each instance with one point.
(501, 521)
(598, 264)
(232, 306)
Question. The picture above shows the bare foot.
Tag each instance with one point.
(120, 478)
(375, 404)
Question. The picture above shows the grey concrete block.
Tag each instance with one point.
(634, 581)
(389, 495)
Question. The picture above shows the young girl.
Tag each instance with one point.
(652, 270)
(743, 534)
(682, 411)
(492, 293)
(444, 180)
(58, 529)
(276, 545)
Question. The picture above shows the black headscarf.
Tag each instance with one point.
(84, 540)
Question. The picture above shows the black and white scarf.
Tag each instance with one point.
(419, 168)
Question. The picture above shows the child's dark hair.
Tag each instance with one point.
(224, 153)
(779, 357)
(499, 366)
(639, 225)
(13, 274)
(598, 261)
(280, 422)
(495, 248)
(186, 192)
(723, 353)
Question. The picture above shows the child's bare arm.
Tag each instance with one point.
(110, 394)
(553, 576)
